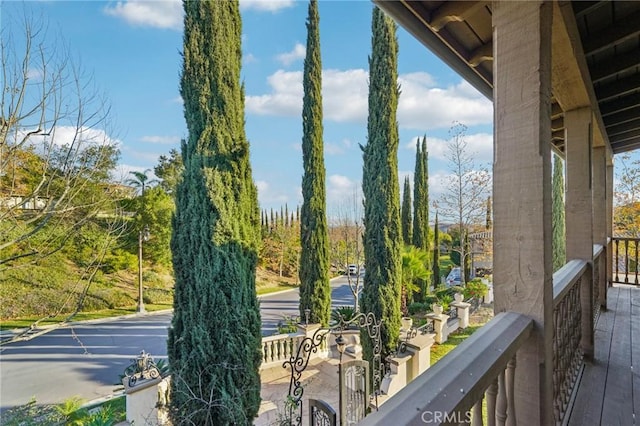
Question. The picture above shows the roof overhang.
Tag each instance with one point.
(595, 57)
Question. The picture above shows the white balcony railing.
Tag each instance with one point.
(279, 348)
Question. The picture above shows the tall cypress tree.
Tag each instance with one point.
(489, 219)
(382, 233)
(436, 253)
(558, 242)
(405, 212)
(425, 211)
(315, 292)
(425, 200)
(418, 198)
(214, 343)
(421, 205)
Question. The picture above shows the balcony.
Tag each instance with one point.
(609, 390)
(593, 377)
(558, 76)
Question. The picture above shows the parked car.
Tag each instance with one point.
(353, 269)
(454, 278)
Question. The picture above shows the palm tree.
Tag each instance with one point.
(414, 267)
(140, 181)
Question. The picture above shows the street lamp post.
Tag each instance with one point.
(143, 236)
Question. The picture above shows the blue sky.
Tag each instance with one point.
(132, 48)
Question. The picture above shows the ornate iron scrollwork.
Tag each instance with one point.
(142, 368)
(309, 345)
(402, 344)
(298, 364)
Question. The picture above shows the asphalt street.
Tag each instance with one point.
(85, 359)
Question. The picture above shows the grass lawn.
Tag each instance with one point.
(265, 284)
(454, 339)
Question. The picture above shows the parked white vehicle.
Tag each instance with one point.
(353, 269)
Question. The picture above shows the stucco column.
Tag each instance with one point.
(599, 196)
(599, 183)
(579, 208)
(609, 229)
(522, 193)
(578, 198)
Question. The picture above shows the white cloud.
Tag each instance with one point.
(299, 51)
(438, 184)
(162, 140)
(177, 100)
(286, 99)
(262, 186)
(123, 172)
(158, 14)
(332, 148)
(265, 5)
(340, 190)
(479, 146)
(35, 74)
(344, 95)
(249, 58)
(421, 106)
(69, 135)
(270, 196)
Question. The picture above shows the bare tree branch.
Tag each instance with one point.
(55, 148)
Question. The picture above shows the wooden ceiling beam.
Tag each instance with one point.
(626, 145)
(604, 69)
(625, 127)
(452, 11)
(622, 117)
(616, 34)
(620, 104)
(622, 87)
(481, 54)
(627, 136)
(557, 124)
(582, 8)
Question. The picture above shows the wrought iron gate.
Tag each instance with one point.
(299, 361)
(354, 391)
(321, 413)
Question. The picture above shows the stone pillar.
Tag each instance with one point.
(522, 193)
(579, 205)
(599, 196)
(146, 404)
(579, 208)
(600, 212)
(420, 348)
(396, 379)
(463, 311)
(440, 327)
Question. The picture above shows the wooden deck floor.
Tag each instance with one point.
(609, 392)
